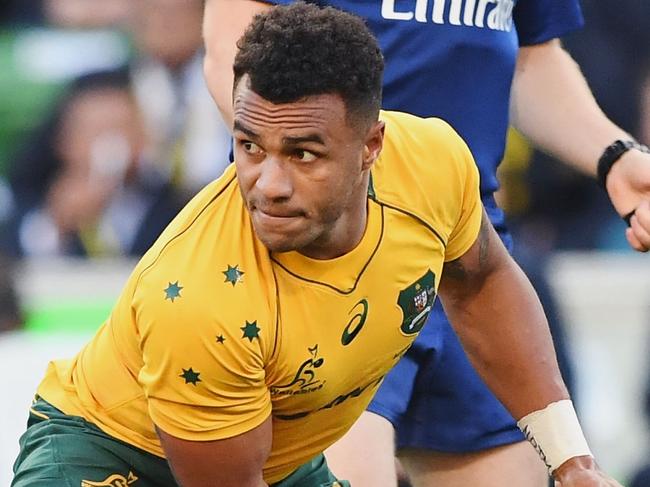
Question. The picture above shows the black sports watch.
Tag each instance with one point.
(612, 154)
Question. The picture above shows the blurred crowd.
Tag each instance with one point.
(116, 146)
(107, 129)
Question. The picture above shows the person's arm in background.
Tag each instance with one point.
(552, 105)
(501, 324)
(224, 23)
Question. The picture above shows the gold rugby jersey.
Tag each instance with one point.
(211, 333)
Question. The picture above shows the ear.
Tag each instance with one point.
(373, 144)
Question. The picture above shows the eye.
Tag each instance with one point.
(305, 156)
(251, 147)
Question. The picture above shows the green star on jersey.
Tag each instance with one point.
(190, 376)
(250, 330)
(233, 274)
(173, 291)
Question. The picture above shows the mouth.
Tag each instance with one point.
(275, 217)
(277, 214)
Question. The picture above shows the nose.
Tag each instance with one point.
(274, 181)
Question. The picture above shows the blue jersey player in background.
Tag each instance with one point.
(480, 65)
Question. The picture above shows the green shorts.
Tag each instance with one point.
(68, 451)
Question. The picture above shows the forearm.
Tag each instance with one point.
(501, 324)
(552, 105)
(504, 331)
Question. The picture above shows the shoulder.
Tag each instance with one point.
(401, 124)
(428, 144)
(427, 171)
(424, 166)
(207, 274)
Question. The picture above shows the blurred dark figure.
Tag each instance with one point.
(84, 186)
(21, 12)
(64, 13)
(613, 51)
(10, 314)
(642, 478)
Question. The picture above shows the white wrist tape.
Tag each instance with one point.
(555, 433)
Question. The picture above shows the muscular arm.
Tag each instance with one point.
(501, 324)
(233, 462)
(224, 22)
(552, 105)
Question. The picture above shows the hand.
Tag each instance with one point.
(582, 472)
(628, 186)
(75, 203)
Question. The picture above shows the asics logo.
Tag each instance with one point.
(356, 322)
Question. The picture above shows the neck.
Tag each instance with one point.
(348, 230)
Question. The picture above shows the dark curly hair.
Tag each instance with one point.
(299, 50)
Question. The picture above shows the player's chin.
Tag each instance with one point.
(283, 235)
(278, 243)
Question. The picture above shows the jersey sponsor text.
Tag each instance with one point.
(491, 14)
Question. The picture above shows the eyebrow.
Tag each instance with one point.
(314, 137)
(302, 139)
(242, 128)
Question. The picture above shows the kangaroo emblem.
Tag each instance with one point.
(115, 480)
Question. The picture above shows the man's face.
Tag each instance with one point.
(169, 30)
(303, 171)
(101, 136)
